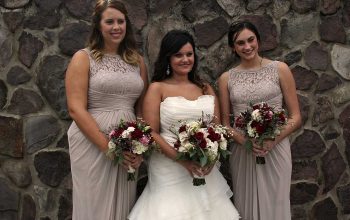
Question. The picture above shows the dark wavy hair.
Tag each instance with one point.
(171, 43)
(237, 27)
(127, 48)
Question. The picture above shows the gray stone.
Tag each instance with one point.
(327, 82)
(13, 19)
(344, 116)
(324, 210)
(9, 215)
(40, 132)
(255, 4)
(11, 137)
(346, 14)
(63, 142)
(17, 75)
(329, 6)
(293, 29)
(280, 8)
(232, 8)
(137, 12)
(330, 132)
(293, 57)
(316, 57)
(81, 9)
(160, 7)
(65, 206)
(304, 78)
(45, 197)
(304, 106)
(52, 167)
(73, 37)
(9, 198)
(308, 144)
(343, 193)
(333, 166)
(18, 172)
(304, 6)
(12, 4)
(332, 30)
(341, 95)
(48, 6)
(45, 218)
(51, 83)
(29, 48)
(298, 213)
(267, 30)
(302, 192)
(209, 32)
(6, 47)
(3, 94)
(340, 56)
(323, 111)
(347, 151)
(198, 9)
(42, 21)
(305, 170)
(28, 208)
(24, 102)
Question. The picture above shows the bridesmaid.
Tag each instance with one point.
(104, 84)
(261, 192)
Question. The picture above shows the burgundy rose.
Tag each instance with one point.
(182, 128)
(177, 144)
(136, 134)
(198, 136)
(203, 144)
(260, 128)
(213, 136)
(239, 122)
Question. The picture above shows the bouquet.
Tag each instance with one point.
(200, 142)
(135, 137)
(260, 122)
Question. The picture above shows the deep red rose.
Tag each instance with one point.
(198, 136)
(177, 144)
(213, 136)
(136, 134)
(239, 122)
(182, 128)
(260, 128)
(118, 132)
(203, 144)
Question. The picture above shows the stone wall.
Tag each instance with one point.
(38, 37)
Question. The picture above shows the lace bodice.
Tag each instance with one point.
(113, 84)
(253, 86)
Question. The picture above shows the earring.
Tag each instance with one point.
(168, 70)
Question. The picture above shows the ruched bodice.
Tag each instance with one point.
(169, 193)
(173, 109)
(254, 86)
(101, 189)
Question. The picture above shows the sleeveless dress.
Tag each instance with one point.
(169, 193)
(261, 192)
(100, 188)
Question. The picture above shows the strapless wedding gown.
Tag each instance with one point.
(169, 193)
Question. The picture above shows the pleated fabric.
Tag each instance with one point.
(100, 188)
(260, 192)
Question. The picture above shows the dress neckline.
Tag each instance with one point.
(183, 98)
(254, 70)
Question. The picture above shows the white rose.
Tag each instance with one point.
(183, 136)
(256, 116)
(138, 148)
(223, 144)
(251, 131)
(111, 145)
(130, 129)
(125, 134)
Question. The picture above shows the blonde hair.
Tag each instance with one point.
(127, 48)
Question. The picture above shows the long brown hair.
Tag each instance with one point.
(127, 48)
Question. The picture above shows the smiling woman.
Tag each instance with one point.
(105, 84)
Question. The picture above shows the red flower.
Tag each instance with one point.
(136, 134)
(213, 136)
(177, 144)
(239, 122)
(182, 128)
(198, 136)
(118, 132)
(260, 128)
(203, 144)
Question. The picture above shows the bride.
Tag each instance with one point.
(177, 94)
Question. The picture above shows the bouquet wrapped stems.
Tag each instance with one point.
(198, 180)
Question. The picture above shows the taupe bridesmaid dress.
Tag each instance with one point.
(261, 192)
(100, 189)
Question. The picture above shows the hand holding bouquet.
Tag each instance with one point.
(134, 137)
(260, 122)
(202, 143)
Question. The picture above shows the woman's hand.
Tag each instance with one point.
(265, 148)
(132, 160)
(207, 169)
(192, 167)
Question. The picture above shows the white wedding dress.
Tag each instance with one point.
(169, 193)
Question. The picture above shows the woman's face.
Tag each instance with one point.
(182, 61)
(246, 44)
(113, 26)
